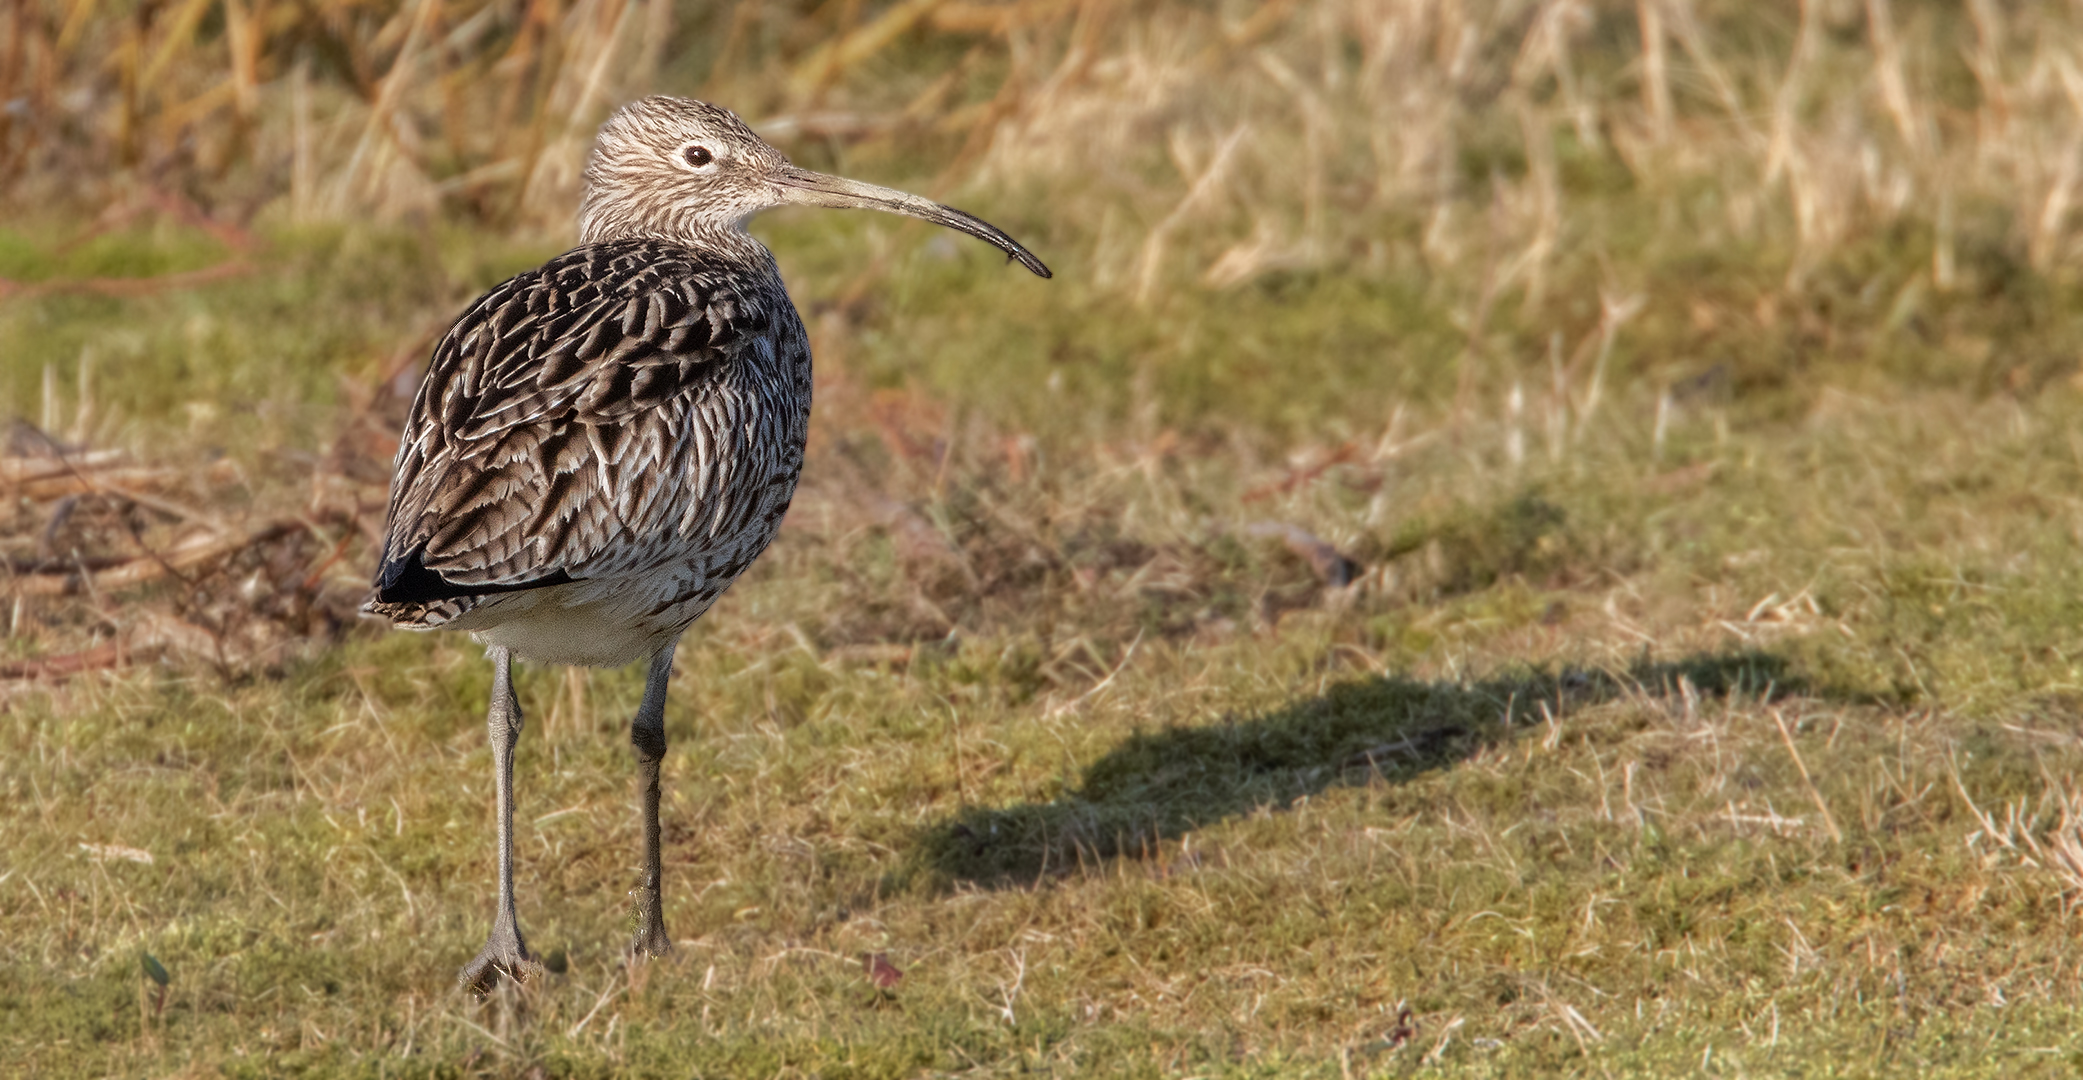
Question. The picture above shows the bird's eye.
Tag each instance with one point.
(698, 156)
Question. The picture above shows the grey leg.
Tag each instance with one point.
(504, 952)
(647, 733)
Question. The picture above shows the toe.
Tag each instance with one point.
(483, 973)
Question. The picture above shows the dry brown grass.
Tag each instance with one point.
(1272, 130)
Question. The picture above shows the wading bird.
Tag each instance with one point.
(601, 445)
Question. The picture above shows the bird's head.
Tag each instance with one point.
(676, 168)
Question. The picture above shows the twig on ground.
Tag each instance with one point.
(112, 655)
(1829, 821)
(139, 570)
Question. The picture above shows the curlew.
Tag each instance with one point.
(603, 444)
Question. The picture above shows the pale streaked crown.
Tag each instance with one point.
(674, 168)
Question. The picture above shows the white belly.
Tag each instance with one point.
(590, 623)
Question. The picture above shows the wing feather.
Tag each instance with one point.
(550, 409)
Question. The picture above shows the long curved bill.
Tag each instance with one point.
(805, 188)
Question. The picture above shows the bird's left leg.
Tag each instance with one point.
(505, 952)
(647, 733)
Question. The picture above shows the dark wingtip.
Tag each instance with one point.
(409, 581)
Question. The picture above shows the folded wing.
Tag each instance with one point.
(534, 447)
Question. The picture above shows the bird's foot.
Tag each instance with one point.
(651, 939)
(504, 954)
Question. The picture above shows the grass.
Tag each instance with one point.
(1110, 778)
(1503, 582)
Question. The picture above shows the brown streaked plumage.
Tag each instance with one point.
(603, 444)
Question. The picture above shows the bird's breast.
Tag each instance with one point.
(740, 446)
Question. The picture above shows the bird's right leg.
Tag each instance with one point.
(504, 952)
(647, 733)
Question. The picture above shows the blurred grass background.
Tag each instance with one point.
(1465, 181)
(1525, 538)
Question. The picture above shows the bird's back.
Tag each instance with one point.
(608, 439)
